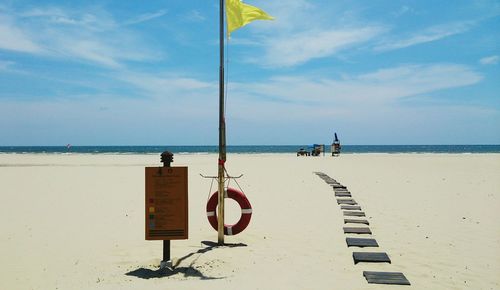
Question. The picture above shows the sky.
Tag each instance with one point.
(146, 73)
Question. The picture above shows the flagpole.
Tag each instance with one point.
(222, 132)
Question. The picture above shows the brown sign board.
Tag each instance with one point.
(166, 203)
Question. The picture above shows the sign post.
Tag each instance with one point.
(166, 204)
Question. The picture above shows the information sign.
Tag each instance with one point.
(166, 203)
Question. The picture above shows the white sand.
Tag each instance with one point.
(77, 222)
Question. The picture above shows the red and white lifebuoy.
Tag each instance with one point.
(246, 212)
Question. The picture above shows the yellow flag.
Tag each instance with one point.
(240, 14)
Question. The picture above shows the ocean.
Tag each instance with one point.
(346, 149)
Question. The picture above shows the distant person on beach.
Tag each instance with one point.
(336, 146)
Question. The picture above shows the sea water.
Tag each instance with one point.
(190, 149)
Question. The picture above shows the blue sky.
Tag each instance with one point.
(146, 73)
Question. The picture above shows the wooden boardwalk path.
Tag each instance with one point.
(350, 208)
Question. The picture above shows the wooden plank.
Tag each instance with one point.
(350, 207)
(370, 257)
(342, 191)
(354, 213)
(337, 186)
(347, 201)
(357, 230)
(343, 194)
(393, 278)
(360, 242)
(356, 221)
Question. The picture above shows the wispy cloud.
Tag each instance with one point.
(103, 49)
(379, 87)
(195, 16)
(494, 59)
(87, 35)
(375, 88)
(90, 50)
(432, 33)
(14, 38)
(299, 48)
(167, 85)
(4, 65)
(288, 18)
(146, 17)
(89, 20)
(11, 67)
(305, 30)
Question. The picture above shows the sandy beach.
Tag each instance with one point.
(76, 221)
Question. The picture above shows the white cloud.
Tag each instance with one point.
(379, 87)
(146, 17)
(288, 18)
(102, 49)
(167, 85)
(90, 50)
(88, 35)
(4, 65)
(433, 33)
(413, 80)
(14, 38)
(303, 31)
(195, 16)
(89, 20)
(489, 60)
(299, 48)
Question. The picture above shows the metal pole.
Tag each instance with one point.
(166, 250)
(222, 131)
(166, 158)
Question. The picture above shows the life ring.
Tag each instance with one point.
(246, 212)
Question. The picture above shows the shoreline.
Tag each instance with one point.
(254, 149)
(292, 154)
